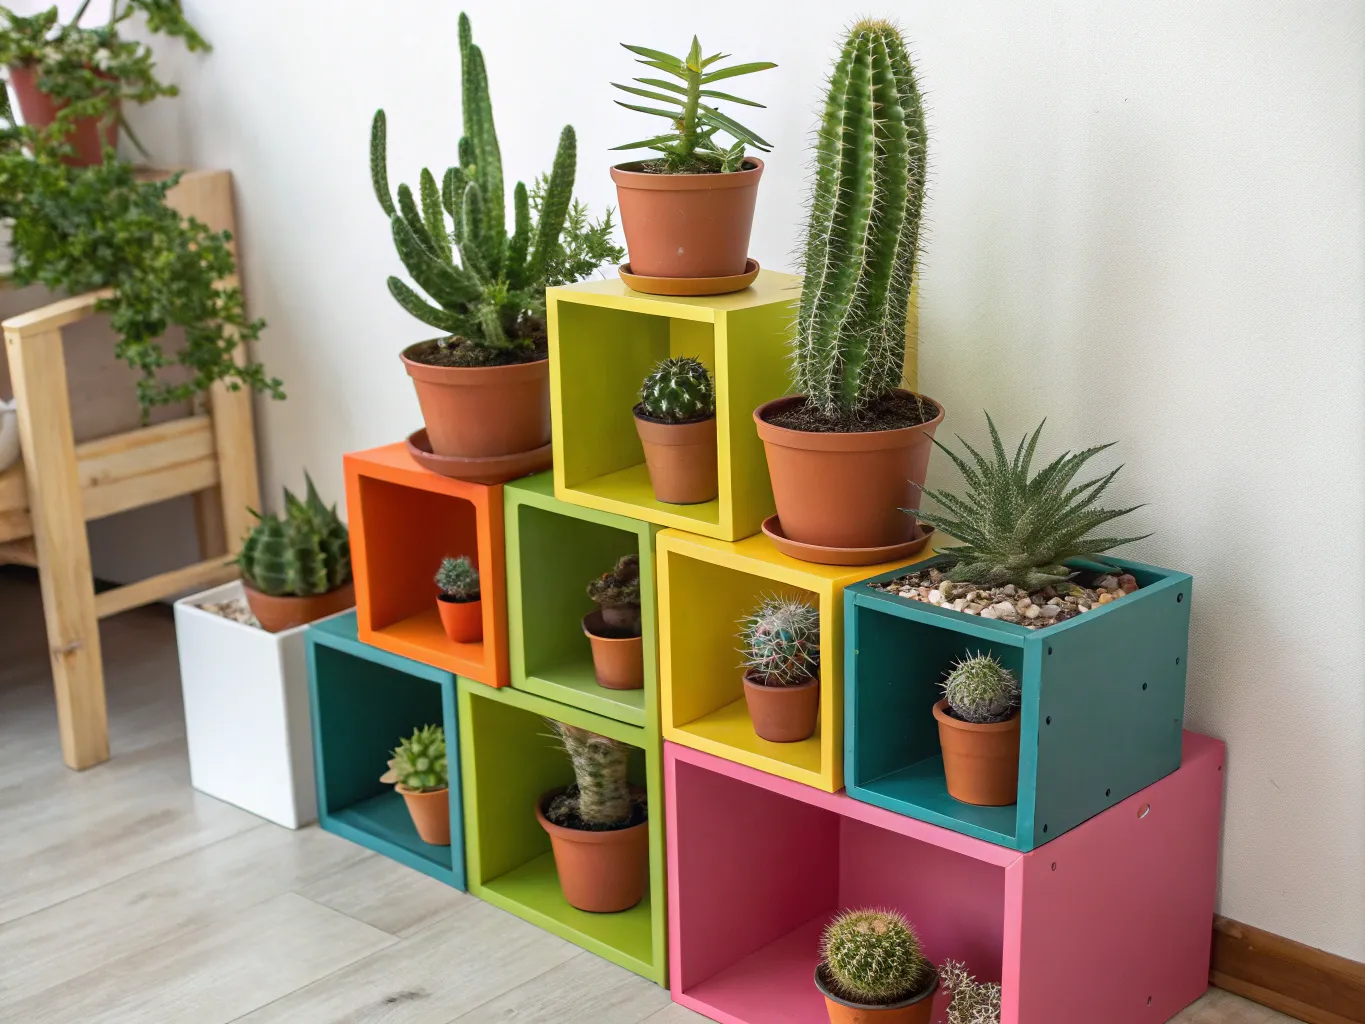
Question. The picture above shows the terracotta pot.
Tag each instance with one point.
(618, 660)
(276, 614)
(782, 714)
(430, 814)
(917, 1009)
(462, 620)
(981, 762)
(681, 458)
(481, 411)
(846, 490)
(87, 138)
(600, 872)
(687, 225)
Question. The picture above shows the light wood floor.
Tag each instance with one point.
(127, 896)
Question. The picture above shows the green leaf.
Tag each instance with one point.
(677, 70)
(649, 94)
(738, 69)
(441, 319)
(733, 127)
(713, 58)
(656, 55)
(717, 95)
(694, 56)
(670, 114)
(662, 84)
(658, 140)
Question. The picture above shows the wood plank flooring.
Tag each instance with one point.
(125, 896)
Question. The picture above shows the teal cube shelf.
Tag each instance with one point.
(1102, 705)
(364, 700)
(554, 549)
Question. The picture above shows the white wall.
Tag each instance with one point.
(1146, 224)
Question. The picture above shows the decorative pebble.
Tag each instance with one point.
(1050, 610)
(1128, 583)
(988, 613)
(237, 610)
(1105, 598)
(1106, 583)
(959, 604)
(935, 597)
(1009, 590)
(1032, 612)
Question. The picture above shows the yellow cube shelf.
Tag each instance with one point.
(705, 587)
(604, 340)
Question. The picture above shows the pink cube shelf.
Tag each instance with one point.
(1108, 924)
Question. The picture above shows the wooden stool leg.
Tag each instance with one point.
(235, 440)
(38, 373)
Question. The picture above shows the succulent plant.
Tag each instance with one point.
(973, 1002)
(678, 390)
(617, 593)
(419, 762)
(306, 552)
(781, 641)
(980, 689)
(458, 579)
(863, 231)
(601, 767)
(1020, 529)
(873, 957)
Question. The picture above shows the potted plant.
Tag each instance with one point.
(851, 446)
(418, 771)
(483, 385)
(458, 602)
(872, 970)
(978, 731)
(597, 827)
(973, 1002)
(687, 213)
(614, 630)
(297, 568)
(676, 421)
(780, 642)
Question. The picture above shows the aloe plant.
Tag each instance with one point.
(304, 553)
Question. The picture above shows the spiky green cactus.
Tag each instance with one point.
(419, 762)
(678, 390)
(601, 767)
(306, 552)
(458, 579)
(980, 689)
(874, 957)
(781, 641)
(973, 1002)
(863, 234)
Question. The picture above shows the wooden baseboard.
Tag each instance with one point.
(1307, 983)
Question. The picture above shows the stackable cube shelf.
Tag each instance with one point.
(364, 701)
(1102, 705)
(604, 340)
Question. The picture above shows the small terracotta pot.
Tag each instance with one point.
(618, 660)
(276, 614)
(782, 714)
(981, 762)
(681, 458)
(482, 411)
(917, 1009)
(87, 137)
(687, 225)
(430, 814)
(462, 620)
(846, 490)
(600, 872)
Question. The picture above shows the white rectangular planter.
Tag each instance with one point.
(246, 711)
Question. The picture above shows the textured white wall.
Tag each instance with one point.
(1146, 223)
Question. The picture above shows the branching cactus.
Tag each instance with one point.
(979, 689)
(601, 767)
(617, 593)
(678, 390)
(973, 1002)
(419, 762)
(781, 641)
(874, 957)
(458, 579)
(863, 232)
(306, 552)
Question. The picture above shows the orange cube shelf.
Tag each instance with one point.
(404, 520)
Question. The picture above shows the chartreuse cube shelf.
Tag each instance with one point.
(604, 340)
(554, 549)
(1102, 705)
(403, 521)
(705, 587)
(1109, 924)
(364, 701)
(509, 759)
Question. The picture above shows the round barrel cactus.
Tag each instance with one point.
(678, 390)
(980, 689)
(874, 957)
(781, 641)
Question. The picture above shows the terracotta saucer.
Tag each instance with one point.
(689, 285)
(772, 529)
(495, 469)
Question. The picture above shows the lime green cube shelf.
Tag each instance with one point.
(508, 760)
(604, 339)
(553, 550)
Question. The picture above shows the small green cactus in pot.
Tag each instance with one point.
(676, 421)
(981, 690)
(678, 390)
(873, 958)
(781, 642)
(305, 553)
(419, 761)
(458, 580)
(617, 594)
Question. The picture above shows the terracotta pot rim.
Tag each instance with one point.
(420, 792)
(834, 441)
(944, 718)
(798, 688)
(928, 991)
(579, 835)
(294, 597)
(471, 375)
(455, 600)
(625, 177)
(652, 422)
(608, 639)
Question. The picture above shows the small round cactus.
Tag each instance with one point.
(979, 689)
(458, 579)
(419, 762)
(678, 390)
(874, 957)
(303, 553)
(781, 640)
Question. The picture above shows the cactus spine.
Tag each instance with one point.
(863, 232)
(458, 579)
(781, 641)
(874, 957)
(306, 552)
(678, 390)
(419, 762)
(601, 768)
(979, 689)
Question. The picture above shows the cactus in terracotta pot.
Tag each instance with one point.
(617, 593)
(420, 771)
(780, 647)
(873, 958)
(676, 421)
(979, 689)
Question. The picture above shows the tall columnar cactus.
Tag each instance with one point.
(863, 233)
(601, 768)
(874, 957)
(980, 689)
(419, 762)
(306, 552)
(781, 641)
(678, 390)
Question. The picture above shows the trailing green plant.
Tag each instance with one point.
(487, 287)
(1018, 528)
(980, 689)
(873, 957)
(303, 553)
(690, 146)
(419, 762)
(973, 1002)
(781, 641)
(602, 798)
(458, 579)
(862, 236)
(678, 390)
